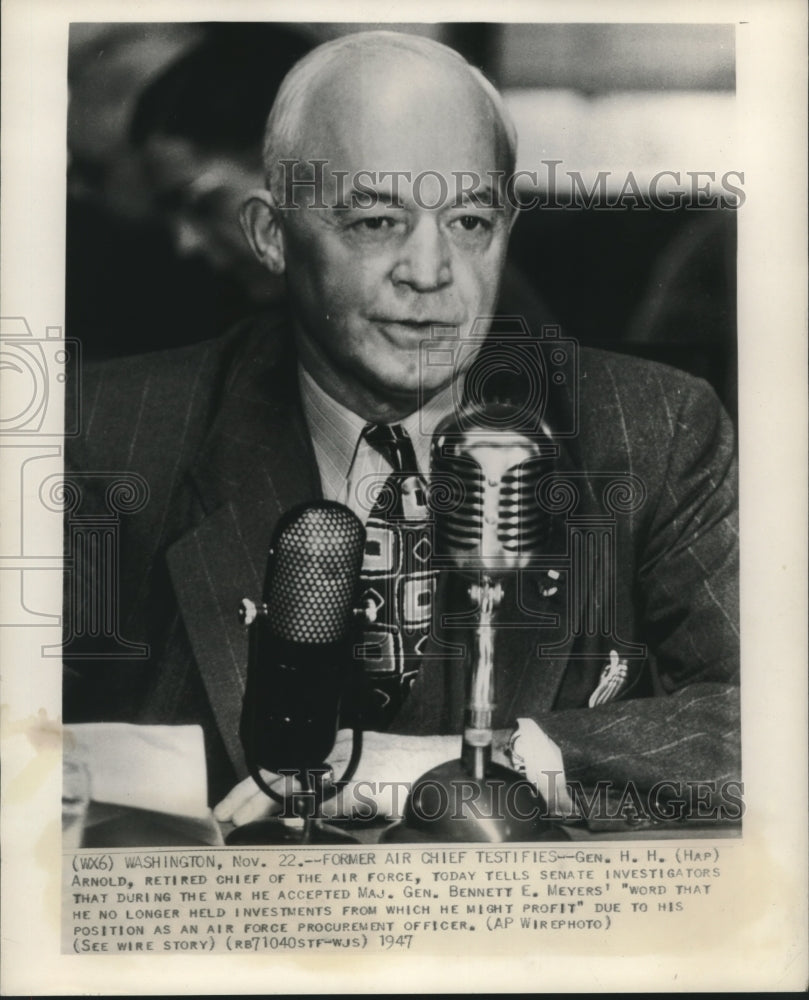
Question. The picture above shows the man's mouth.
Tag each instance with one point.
(415, 324)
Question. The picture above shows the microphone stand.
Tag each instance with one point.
(473, 799)
(306, 805)
(476, 752)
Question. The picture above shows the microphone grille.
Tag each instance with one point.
(313, 572)
(485, 474)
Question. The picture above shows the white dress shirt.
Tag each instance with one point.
(345, 459)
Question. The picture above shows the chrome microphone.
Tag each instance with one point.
(483, 489)
(485, 472)
(483, 496)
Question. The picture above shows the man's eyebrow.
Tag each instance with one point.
(368, 197)
(483, 196)
(357, 197)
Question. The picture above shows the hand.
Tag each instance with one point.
(246, 802)
(541, 759)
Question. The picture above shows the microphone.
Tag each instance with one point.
(491, 524)
(300, 642)
(483, 483)
(488, 522)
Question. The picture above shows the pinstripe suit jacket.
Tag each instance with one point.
(217, 432)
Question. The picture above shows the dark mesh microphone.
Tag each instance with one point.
(300, 638)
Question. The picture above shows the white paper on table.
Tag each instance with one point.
(161, 768)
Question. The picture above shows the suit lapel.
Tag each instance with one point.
(534, 646)
(256, 463)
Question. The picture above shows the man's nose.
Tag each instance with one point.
(424, 258)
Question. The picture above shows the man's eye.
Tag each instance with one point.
(472, 222)
(376, 222)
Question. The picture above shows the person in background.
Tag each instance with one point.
(138, 276)
(126, 289)
(198, 127)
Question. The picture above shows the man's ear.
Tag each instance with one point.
(261, 222)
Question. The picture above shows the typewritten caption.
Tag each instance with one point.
(376, 898)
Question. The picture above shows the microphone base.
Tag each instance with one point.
(274, 831)
(448, 804)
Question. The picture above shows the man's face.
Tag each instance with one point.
(368, 283)
(199, 195)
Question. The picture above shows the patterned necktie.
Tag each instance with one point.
(397, 583)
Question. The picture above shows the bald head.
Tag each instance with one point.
(378, 86)
(397, 230)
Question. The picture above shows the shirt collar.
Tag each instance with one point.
(336, 430)
(421, 425)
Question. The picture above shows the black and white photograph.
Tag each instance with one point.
(593, 488)
(376, 482)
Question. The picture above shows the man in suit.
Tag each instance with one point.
(230, 434)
